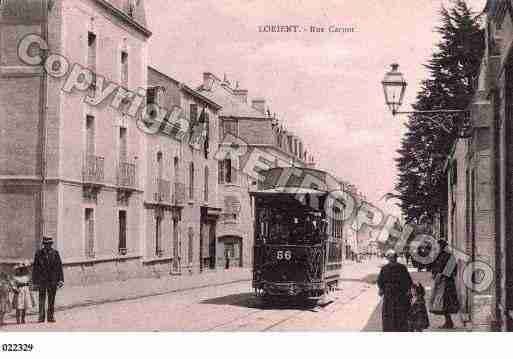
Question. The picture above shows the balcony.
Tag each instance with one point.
(127, 178)
(163, 191)
(179, 193)
(93, 170)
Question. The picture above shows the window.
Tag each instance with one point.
(158, 235)
(91, 60)
(89, 232)
(230, 126)
(91, 51)
(176, 168)
(90, 134)
(151, 96)
(227, 173)
(191, 181)
(160, 166)
(205, 189)
(289, 141)
(193, 111)
(122, 232)
(190, 245)
(124, 69)
(122, 145)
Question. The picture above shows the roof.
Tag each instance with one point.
(186, 88)
(120, 9)
(200, 96)
(231, 105)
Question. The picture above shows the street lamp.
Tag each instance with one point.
(394, 88)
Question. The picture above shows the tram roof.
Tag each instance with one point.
(289, 190)
(297, 177)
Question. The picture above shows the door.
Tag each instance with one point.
(176, 267)
(212, 243)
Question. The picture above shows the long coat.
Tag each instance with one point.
(445, 269)
(394, 283)
(47, 269)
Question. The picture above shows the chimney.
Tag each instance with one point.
(242, 95)
(208, 80)
(259, 105)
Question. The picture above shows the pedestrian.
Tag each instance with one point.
(444, 299)
(47, 276)
(394, 284)
(23, 299)
(6, 295)
(418, 319)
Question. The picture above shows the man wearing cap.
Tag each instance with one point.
(47, 276)
(394, 283)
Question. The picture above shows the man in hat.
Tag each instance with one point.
(47, 276)
(394, 283)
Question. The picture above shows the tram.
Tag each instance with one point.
(298, 239)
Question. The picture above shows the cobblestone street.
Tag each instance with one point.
(229, 307)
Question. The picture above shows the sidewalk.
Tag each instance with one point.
(436, 321)
(78, 296)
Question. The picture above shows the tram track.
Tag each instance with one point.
(265, 313)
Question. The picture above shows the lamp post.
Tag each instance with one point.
(394, 88)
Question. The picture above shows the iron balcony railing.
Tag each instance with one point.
(163, 190)
(127, 175)
(93, 170)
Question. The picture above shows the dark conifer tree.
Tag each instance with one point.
(453, 70)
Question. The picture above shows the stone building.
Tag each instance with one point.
(498, 77)
(476, 188)
(182, 208)
(249, 139)
(120, 199)
(68, 169)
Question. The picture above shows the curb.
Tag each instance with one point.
(90, 303)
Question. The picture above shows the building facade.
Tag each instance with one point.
(138, 185)
(71, 170)
(182, 209)
(477, 187)
(499, 80)
(250, 139)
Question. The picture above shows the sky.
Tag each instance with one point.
(325, 87)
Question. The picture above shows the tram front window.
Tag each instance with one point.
(280, 227)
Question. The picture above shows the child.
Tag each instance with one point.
(22, 298)
(418, 316)
(5, 296)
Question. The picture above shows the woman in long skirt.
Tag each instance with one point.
(444, 300)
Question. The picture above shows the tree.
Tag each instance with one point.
(453, 70)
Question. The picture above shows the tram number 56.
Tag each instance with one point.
(280, 255)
